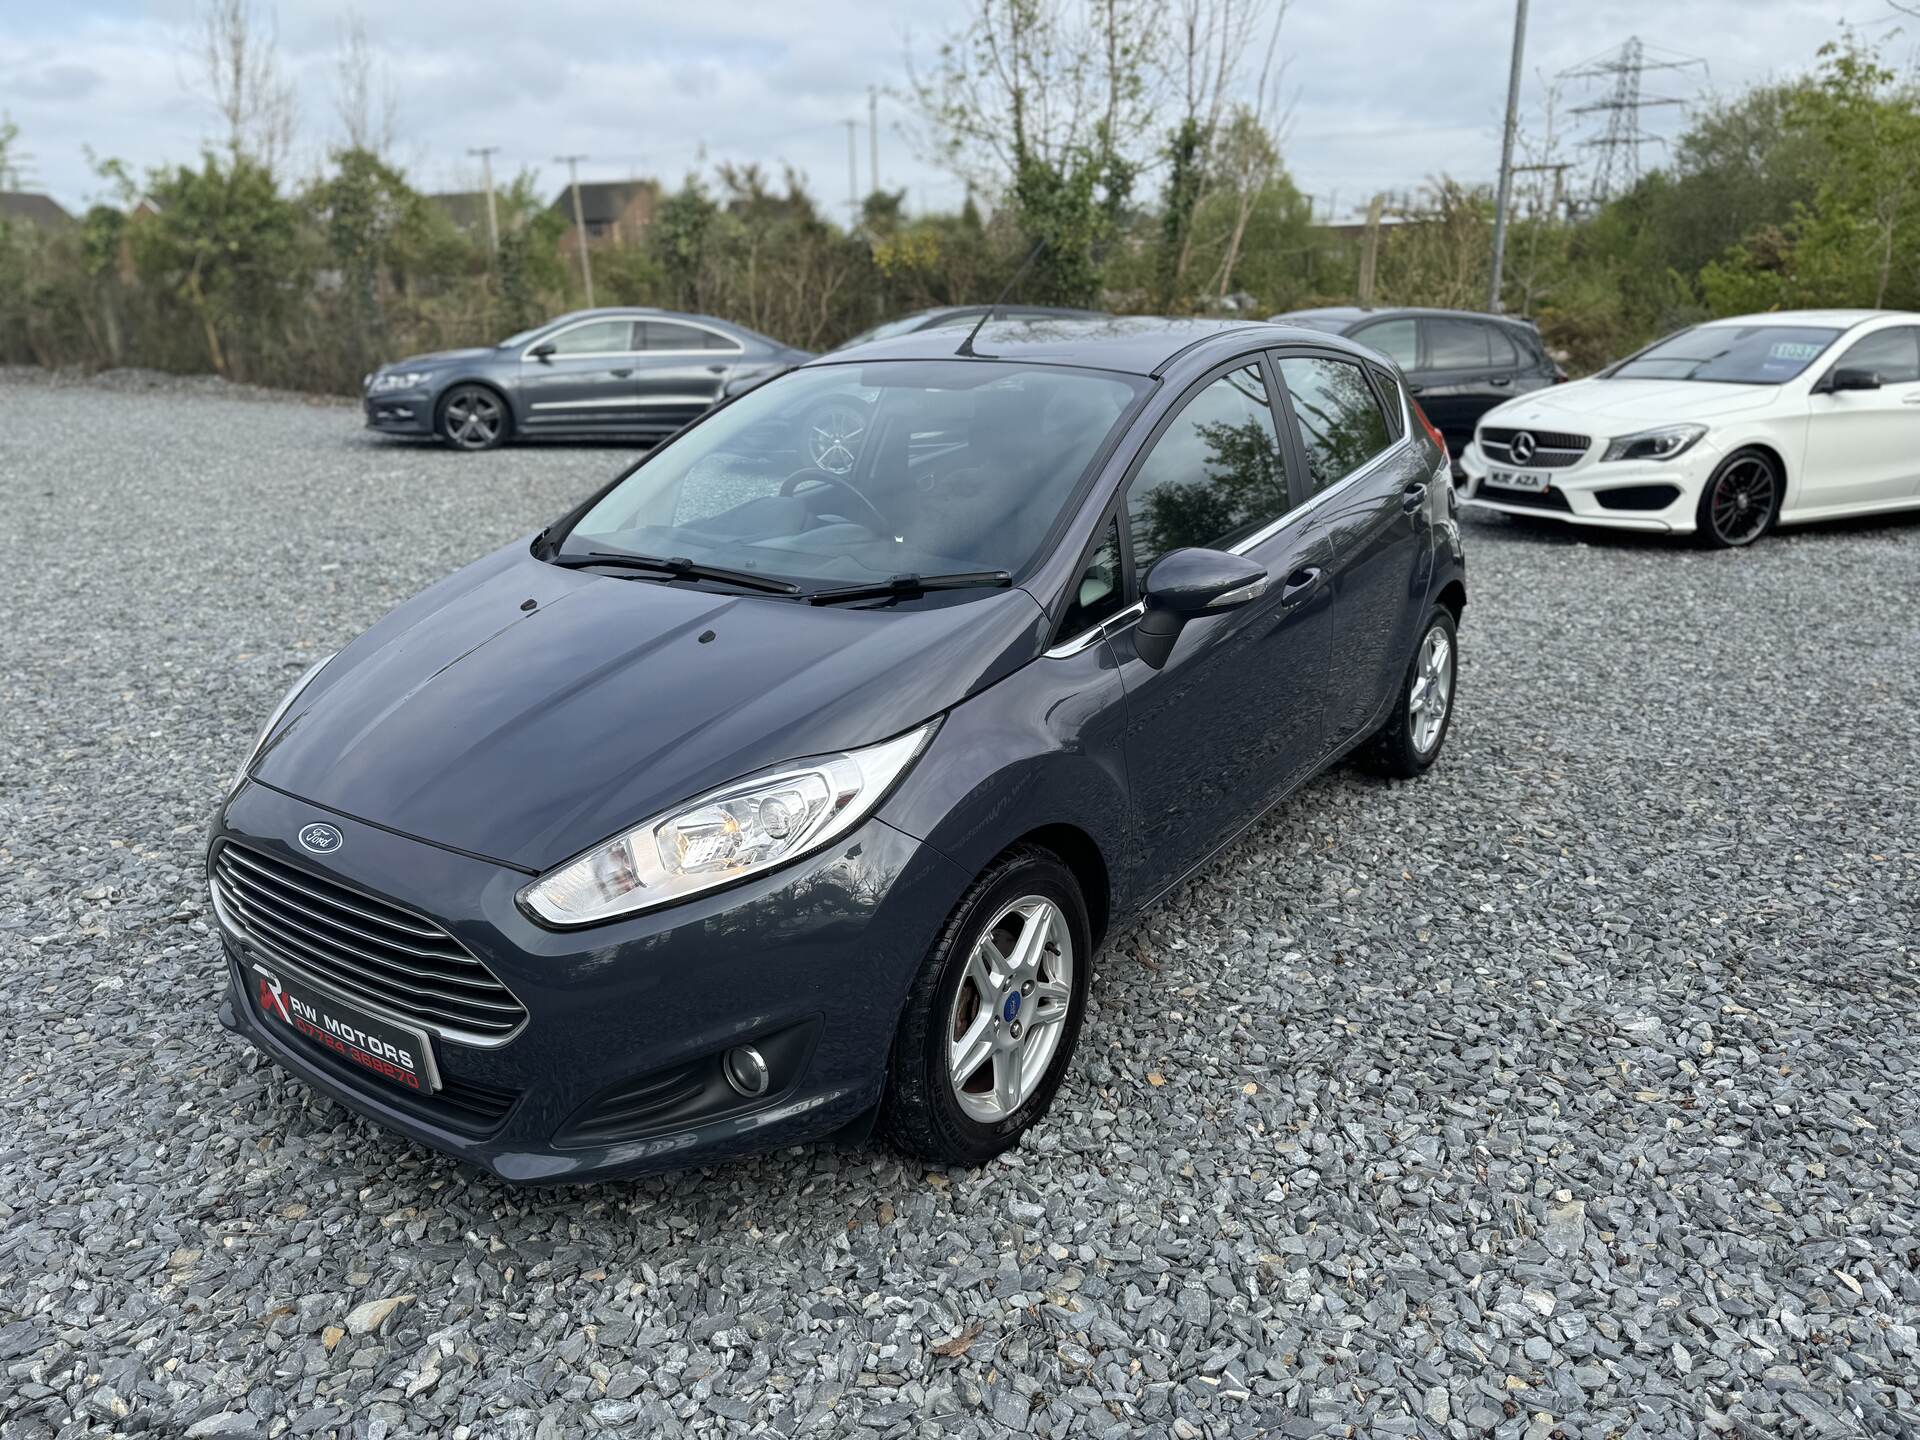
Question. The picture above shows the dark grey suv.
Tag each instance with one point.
(625, 371)
(1459, 364)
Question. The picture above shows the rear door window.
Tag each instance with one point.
(1500, 347)
(1456, 345)
(1394, 339)
(1340, 421)
(669, 335)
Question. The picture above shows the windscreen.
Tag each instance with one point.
(1730, 354)
(851, 474)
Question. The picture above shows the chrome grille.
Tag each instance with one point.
(1553, 449)
(365, 948)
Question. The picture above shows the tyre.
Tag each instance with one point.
(472, 417)
(1740, 502)
(993, 1015)
(1410, 741)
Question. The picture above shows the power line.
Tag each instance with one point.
(1617, 167)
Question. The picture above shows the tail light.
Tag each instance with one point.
(1432, 434)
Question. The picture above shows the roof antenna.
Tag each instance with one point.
(966, 345)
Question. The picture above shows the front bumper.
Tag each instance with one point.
(400, 412)
(812, 963)
(1657, 497)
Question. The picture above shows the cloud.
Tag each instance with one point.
(1385, 93)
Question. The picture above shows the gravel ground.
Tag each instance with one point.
(1568, 1092)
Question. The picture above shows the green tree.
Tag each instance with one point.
(228, 245)
(1046, 103)
(1854, 241)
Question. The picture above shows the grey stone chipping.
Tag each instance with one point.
(1566, 1092)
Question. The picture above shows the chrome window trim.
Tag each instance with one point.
(1087, 639)
(734, 347)
(548, 339)
(1118, 621)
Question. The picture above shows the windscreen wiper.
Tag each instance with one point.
(680, 568)
(913, 585)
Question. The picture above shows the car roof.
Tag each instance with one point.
(1823, 319)
(1012, 308)
(1353, 314)
(640, 312)
(1133, 344)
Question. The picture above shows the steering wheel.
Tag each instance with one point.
(793, 482)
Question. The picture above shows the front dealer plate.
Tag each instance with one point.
(398, 1054)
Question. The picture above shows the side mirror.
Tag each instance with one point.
(1188, 583)
(1853, 377)
(542, 351)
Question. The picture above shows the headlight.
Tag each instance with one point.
(286, 701)
(1662, 444)
(399, 380)
(742, 829)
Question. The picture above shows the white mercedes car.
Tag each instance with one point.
(1721, 431)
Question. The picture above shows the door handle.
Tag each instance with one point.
(621, 374)
(1501, 381)
(716, 369)
(1910, 399)
(1413, 389)
(1301, 584)
(1415, 498)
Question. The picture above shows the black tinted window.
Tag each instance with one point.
(1390, 396)
(1215, 474)
(1893, 355)
(600, 337)
(1339, 416)
(666, 335)
(1500, 344)
(1392, 338)
(714, 340)
(1456, 345)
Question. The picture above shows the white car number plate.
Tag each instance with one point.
(1518, 480)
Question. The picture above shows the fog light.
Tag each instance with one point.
(746, 1071)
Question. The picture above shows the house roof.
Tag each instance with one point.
(602, 201)
(33, 209)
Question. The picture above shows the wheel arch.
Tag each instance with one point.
(1778, 457)
(1081, 854)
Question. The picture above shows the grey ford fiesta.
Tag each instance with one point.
(770, 794)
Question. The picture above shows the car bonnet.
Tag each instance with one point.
(522, 712)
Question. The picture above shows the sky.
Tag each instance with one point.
(1380, 94)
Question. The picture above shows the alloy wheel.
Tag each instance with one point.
(833, 437)
(473, 419)
(1432, 690)
(1742, 501)
(1008, 1013)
